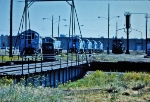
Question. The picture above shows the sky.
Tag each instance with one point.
(88, 12)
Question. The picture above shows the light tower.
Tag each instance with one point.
(128, 25)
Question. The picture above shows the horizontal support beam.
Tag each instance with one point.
(86, 0)
(47, 0)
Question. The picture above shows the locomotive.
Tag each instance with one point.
(30, 43)
(76, 45)
(100, 47)
(148, 47)
(118, 46)
(87, 46)
(57, 44)
(94, 46)
(48, 51)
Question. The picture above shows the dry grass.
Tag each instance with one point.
(95, 87)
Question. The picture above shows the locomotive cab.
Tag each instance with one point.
(100, 47)
(118, 46)
(57, 44)
(94, 46)
(88, 46)
(48, 51)
(76, 45)
(29, 42)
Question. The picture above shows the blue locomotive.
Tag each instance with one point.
(87, 46)
(56, 43)
(148, 47)
(100, 47)
(76, 45)
(30, 42)
(118, 46)
(94, 46)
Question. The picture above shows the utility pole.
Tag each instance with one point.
(11, 26)
(108, 31)
(72, 10)
(26, 8)
(146, 16)
(116, 28)
(52, 25)
(58, 27)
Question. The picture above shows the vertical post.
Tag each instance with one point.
(108, 30)
(26, 3)
(41, 64)
(52, 25)
(127, 27)
(26, 7)
(35, 63)
(18, 56)
(72, 10)
(58, 27)
(28, 65)
(68, 49)
(71, 58)
(2, 58)
(86, 59)
(60, 60)
(5, 50)
(67, 59)
(68, 40)
(81, 58)
(78, 59)
(11, 26)
(127, 51)
(116, 28)
(22, 66)
(146, 32)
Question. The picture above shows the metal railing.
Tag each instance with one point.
(34, 64)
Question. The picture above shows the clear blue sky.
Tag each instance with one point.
(87, 11)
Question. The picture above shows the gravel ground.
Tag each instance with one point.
(135, 56)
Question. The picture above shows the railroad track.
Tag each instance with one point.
(35, 67)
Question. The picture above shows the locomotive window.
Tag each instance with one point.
(21, 37)
(29, 37)
(36, 36)
(74, 40)
(3, 44)
(32, 35)
(48, 47)
(47, 40)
